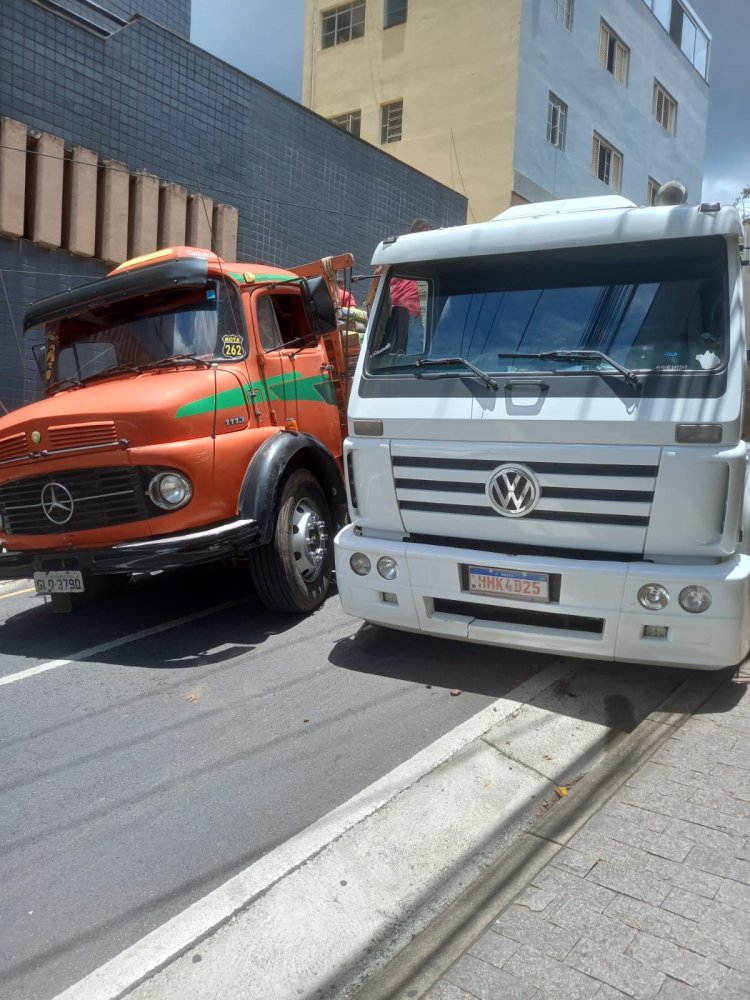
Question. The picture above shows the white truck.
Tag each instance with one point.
(546, 451)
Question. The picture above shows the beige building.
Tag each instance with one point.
(397, 83)
(517, 100)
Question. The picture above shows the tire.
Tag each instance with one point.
(292, 573)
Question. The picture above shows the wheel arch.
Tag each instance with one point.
(276, 458)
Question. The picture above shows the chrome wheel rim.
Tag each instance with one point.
(309, 540)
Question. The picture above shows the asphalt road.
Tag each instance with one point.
(153, 746)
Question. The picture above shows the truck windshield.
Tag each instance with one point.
(203, 324)
(647, 307)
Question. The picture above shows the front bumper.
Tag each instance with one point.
(595, 615)
(170, 552)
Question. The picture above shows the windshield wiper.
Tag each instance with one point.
(579, 355)
(64, 383)
(176, 359)
(488, 380)
(113, 370)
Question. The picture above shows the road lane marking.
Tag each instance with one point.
(135, 965)
(17, 593)
(85, 654)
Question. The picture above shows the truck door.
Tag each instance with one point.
(292, 361)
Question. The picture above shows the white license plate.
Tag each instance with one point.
(59, 581)
(520, 584)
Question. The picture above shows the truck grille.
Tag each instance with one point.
(73, 501)
(603, 505)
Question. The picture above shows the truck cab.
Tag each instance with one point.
(550, 454)
(192, 412)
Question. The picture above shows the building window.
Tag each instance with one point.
(565, 13)
(394, 12)
(557, 113)
(665, 109)
(351, 122)
(391, 117)
(653, 187)
(606, 163)
(613, 53)
(341, 24)
(685, 32)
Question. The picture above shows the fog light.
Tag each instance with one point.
(388, 568)
(360, 564)
(653, 596)
(695, 599)
(170, 490)
(389, 598)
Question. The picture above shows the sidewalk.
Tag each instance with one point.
(648, 898)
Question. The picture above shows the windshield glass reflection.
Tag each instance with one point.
(647, 307)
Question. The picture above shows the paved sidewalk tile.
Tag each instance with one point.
(486, 982)
(650, 899)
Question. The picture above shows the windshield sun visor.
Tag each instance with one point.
(187, 273)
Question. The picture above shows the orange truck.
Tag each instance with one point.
(193, 412)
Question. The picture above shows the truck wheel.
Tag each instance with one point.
(292, 573)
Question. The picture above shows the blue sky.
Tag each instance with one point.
(265, 39)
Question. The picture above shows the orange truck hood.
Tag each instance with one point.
(141, 409)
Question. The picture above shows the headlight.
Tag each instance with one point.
(695, 599)
(360, 564)
(170, 490)
(653, 596)
(388, 568)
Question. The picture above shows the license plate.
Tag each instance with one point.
(59, 581)
(522, 585)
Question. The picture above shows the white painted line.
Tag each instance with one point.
(153, 952)
(17, 593)
(85, 654)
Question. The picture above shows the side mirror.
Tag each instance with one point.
(320, 308)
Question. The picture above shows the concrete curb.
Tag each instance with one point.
(418, 966)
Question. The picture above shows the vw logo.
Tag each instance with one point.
(57, 503)
(513, 491)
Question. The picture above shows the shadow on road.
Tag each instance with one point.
(238, 622)
(614, 695)
(440, 663)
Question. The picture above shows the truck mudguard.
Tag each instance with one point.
(277, 456)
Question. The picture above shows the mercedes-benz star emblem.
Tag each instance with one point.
(57, 503)
(513, 490)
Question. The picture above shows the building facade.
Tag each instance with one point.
(518, 100)
(114, 90)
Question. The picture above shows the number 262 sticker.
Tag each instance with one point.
(232, 346)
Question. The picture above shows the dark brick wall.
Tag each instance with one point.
(303, 188)
(28, 273)
(106, 16)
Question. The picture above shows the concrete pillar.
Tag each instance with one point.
(226, 220)
(144, 214)
(79, 202)
(199, 221)
(114, 198)
(12, 176)
(172, 215)
(44, 199)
